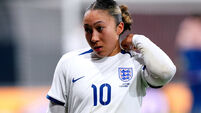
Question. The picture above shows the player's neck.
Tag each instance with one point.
(116, 50)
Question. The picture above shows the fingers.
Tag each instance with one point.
(130, 35)
(125, 47)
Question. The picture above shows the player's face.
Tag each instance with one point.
(101, 32)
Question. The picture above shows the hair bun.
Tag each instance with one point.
(124, 8)
(126, 17)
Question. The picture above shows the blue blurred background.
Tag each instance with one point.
(35, 33)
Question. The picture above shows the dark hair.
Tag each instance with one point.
(120, 13)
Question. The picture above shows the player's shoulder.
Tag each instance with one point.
(75, 54)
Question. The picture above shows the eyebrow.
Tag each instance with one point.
(94, 23)
(98, 22)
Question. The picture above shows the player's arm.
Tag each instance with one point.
(58, 93)
(159, 69)
(56, 108)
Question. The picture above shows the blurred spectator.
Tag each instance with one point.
(188, 41)
(155, 101)
(179, 97)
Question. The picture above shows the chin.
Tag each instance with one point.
(100, 55)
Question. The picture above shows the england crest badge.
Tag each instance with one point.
(125, 74)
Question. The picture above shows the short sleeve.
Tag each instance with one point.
(58, 91)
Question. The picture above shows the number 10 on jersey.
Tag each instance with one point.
(101, 98)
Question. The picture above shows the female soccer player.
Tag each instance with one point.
(106, 78)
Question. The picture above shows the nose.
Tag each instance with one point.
(95, 37)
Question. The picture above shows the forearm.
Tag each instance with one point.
(159, 67)
(55, 108)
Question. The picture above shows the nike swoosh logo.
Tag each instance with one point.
(74, 80)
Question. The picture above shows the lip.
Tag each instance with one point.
(98, 48)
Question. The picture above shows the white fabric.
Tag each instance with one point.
(54, 108)
(160, 68)
(98, 77)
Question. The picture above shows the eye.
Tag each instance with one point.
(99, 28)
(88, 30)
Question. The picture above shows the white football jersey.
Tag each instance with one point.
(85, 83)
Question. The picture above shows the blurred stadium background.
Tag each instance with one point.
(35, 33)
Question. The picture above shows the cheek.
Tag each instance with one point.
(88, 37)
(111, 38)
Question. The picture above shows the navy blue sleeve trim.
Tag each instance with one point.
(54, 100)
(154, 86)
(89, 51)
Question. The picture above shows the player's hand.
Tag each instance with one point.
(127, 43)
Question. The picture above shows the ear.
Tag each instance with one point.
(120, 28)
